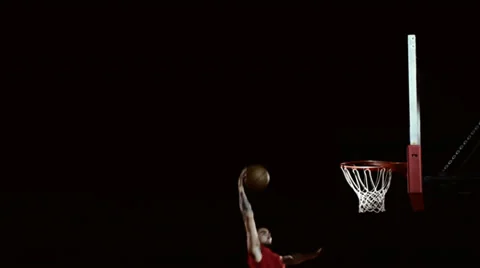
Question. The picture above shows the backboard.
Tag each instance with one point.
(416, 183)
(459, 185)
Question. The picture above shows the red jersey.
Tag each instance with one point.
(269, 259)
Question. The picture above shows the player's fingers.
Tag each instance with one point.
(243, 174)
(244, 170)
(241, 179)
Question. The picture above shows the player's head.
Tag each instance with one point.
(264, 236)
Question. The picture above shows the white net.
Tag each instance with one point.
(370, 185)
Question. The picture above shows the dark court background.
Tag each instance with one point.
(132, 129)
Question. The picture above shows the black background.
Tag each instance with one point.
(133, 126)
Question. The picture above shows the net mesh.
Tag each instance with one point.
(370, 185)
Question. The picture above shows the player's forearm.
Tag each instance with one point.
(299, 258)
(305, 257)
(245, 206)
(294, 259)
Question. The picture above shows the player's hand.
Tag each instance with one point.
(242, 177)
(287, 258)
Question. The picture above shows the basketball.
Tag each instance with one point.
(257, 178)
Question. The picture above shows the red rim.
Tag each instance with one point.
(375, 164)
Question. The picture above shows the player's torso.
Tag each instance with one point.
(269, 260)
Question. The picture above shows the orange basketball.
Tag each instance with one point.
(257, 178)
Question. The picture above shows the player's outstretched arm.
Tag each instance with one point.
(299, 258)
(253, 243)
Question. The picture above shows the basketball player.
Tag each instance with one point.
(259, 255)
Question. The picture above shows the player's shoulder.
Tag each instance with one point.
(265, 248)
(267, 251)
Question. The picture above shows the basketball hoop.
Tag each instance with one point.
(370, 180)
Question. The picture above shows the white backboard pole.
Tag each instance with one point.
(414, 151)
(412, 92)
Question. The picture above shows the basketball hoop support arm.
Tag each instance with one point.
(414, 151)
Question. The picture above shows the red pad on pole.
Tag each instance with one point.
(414, 177)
